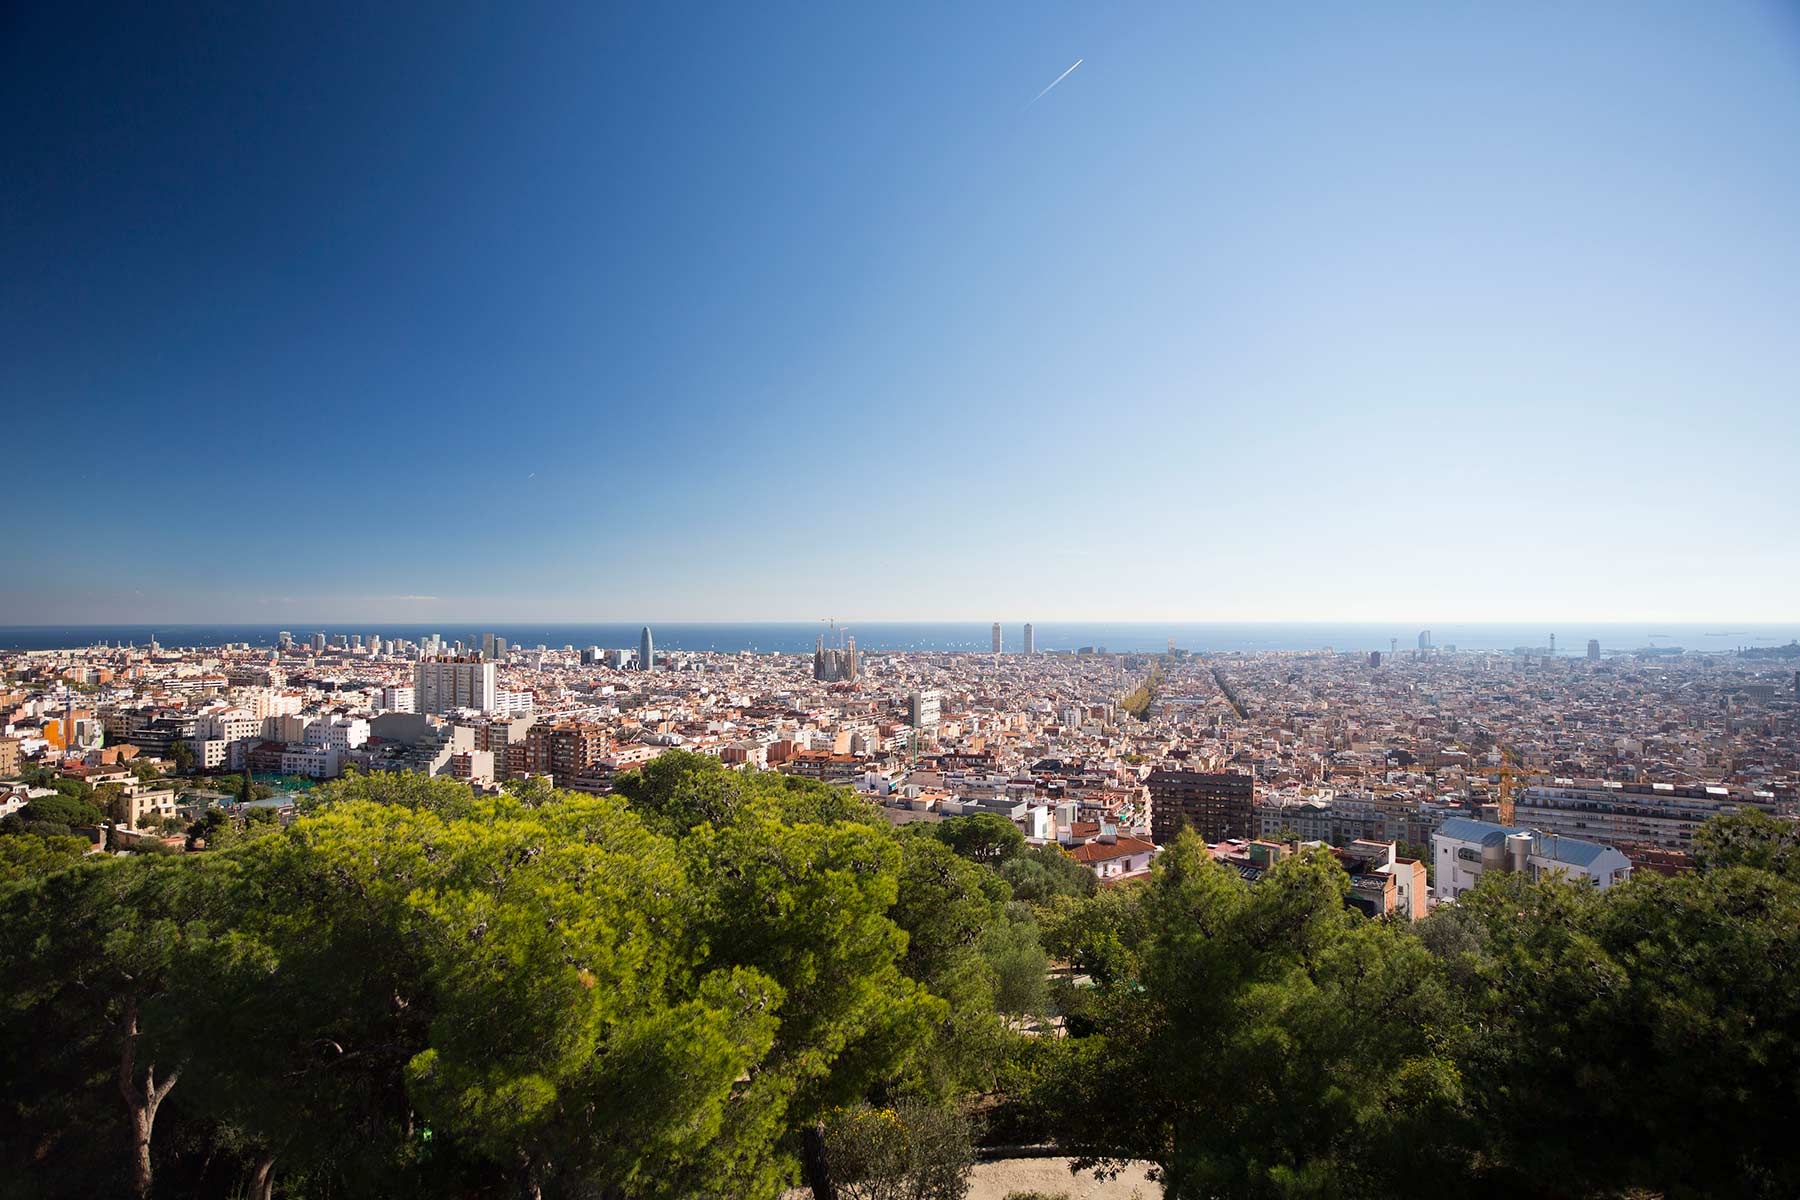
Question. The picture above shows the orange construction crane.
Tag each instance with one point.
(1509, 759)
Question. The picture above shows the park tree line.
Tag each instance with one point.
(725, 984)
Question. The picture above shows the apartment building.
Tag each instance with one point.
(1663, 815)
(441, 685)
(565, 749)
(1216, 805)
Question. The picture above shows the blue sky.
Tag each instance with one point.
(1265, 312)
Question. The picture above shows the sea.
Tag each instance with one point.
(799, 637)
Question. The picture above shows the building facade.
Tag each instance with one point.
(1663, 815)
(443, 684)
(1463, 850)
(1216, 805)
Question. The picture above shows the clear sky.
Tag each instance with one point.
(1265, 311)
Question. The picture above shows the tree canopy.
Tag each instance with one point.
(717, 983)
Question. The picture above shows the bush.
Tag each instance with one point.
(912, 1151)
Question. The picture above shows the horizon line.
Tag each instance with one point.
(1422, 622)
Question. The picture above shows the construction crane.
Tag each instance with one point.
(1509, 764)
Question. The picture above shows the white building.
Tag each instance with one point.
(397, 698)
(1112, 856)
(444, 684)
(316, 762)
(511, 703)
(924, 709)
(338, 734)
(1658, 814)
(1463, 849)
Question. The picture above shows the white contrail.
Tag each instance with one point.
(1057, 80)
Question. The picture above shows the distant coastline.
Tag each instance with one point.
(798, 637)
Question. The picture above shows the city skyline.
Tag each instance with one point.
(1258, 315)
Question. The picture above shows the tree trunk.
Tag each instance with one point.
(141, 1100)
(140, 1152)
(262, 1180)
(813, 1165)
(529, 1187)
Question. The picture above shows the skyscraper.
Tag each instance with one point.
(1030, 642)
(487, 646)
(1424, 639)
(646, 651)
(997, 641)
(1593, 649)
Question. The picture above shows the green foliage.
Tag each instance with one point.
(1631, 1037)
(1099, 937)
(233, 785)
(911, 1151)
(1039, 874)
(678, 792)
(1749, 839)
(26, 856)
(110, 799)
(687, 989)
(981, 837)
(442, 795)
(1017, 963)
(217, 829)
(62, 810)
(108, 969)
(1271, 1043)
(554, 991)
(75, 789)
(1138, 702)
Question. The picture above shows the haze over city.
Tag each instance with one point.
(1416, 313)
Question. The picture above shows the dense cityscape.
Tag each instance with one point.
(1631, 750)
(1049, 811)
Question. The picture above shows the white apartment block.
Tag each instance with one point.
(512, 703)
(338, 734)
(317, 762)
(397, 698)
(1664, 815)
(1462, 850)
(443, 685)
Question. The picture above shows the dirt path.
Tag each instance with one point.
(992, 1181)
(995, 1180)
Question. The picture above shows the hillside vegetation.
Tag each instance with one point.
(723, 984)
